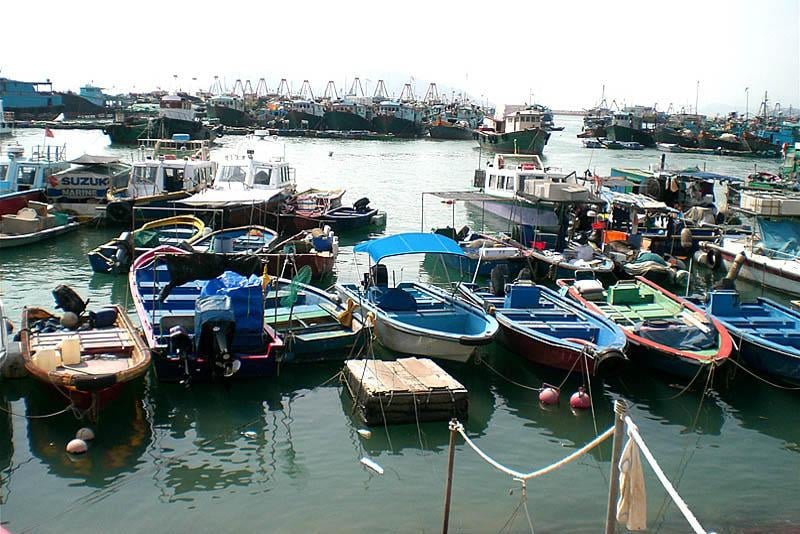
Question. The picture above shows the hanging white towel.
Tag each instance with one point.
(632, 504)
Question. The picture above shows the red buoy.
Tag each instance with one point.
(580, 400)
(548, 396)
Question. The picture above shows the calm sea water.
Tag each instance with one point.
(282, 455)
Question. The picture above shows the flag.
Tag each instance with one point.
(48, 132)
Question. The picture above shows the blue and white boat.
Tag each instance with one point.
(239, 240)
(415, 317)
(768, 334)
(545, 328)
(315, 325)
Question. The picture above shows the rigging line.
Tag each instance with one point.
(751, 373)
(585, 359)
(45, 416)
(483, 360)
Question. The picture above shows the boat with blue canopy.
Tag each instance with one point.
(768, 333)
(545, 328)
(415, 317)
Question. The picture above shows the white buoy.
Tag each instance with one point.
(372, 465)
(366, 434)
(250, 434)
(85, 433)
(77, 446)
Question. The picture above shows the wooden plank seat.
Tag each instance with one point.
(92, 341)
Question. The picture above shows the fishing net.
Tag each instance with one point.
(302, 278)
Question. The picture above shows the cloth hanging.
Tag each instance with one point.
(632, 503)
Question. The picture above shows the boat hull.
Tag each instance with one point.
(530, 141)
(162, 128)
(671, 137)
(443, 131)
(519, 213)
(345, 121)
(624, 134)
(11, 203)
(300, 120)
(229, 116)
(9, 241)
(389, 124)
(761, 273)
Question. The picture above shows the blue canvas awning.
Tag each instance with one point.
(409, 243)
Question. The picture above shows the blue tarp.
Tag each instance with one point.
(781, 237)
(246, 299)
(409, 243)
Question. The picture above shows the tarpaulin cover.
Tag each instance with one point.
(247, 299)
(677, 335)
(781, 236)
(409, 243)
(185, 268)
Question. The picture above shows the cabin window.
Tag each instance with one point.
(262, 176)
(26, 175)
(492, 180)
(145, 175)
(510, 183)
(232, 173)
(3, 172)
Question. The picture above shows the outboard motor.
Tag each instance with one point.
(215, 326)
(182, 346)
(377, 276)
(361, 204)
(68, 300)
(123, 255)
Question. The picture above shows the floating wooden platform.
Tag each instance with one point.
(392, 388)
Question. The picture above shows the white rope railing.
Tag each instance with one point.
(543, 471)
(633, 432)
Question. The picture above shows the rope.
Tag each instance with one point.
(633, 433)
(495, 371)
(9, 412)
(543, 471)
(751, 373)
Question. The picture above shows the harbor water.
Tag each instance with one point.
(283, 454)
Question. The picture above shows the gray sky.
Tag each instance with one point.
(563, 52)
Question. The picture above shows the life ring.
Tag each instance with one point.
(713, 259)
(119, 212)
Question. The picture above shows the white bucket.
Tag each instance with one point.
(46, 359)
(70, 350)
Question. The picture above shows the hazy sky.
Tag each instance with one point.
(563, 52)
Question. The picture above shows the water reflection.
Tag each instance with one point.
(122, 436)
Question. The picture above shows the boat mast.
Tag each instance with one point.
(380, 92)
(330, 92)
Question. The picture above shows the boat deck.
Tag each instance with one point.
(404, 391)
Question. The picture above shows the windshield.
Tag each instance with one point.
(232, 173)
(145, 175)
(780, 238)
(262, 176)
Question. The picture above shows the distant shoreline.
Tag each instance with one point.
(568, 112)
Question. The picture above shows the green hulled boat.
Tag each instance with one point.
(230, 111)
(518, 132)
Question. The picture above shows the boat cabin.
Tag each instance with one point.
(166, 174)
(19, 173)
(228, 101)
(307, 106)
(176, 107)
(249, 173)
(509, 175)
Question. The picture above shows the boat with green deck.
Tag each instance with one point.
(664, 331)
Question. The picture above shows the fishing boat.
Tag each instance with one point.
(6, 121)
(767, 333)
(340, 219)
(415, 317)
(229, 110)
(117, 255)
(665, 331)
(82, 189)
(521, 189)
(542, 326)
(34, 223)
(176, 115)
(769, 255)
(91, 364)
(315, 325)
(201, 320)
(401, 119)
(632, 126)
(24, 179)
(165, 171)
(241, 240)
(483, 252)
(316, 248)
(350, 114)
(305, 114)
(247, 190)
(519, 130)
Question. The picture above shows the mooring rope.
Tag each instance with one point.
(543, 471)
(633, 433)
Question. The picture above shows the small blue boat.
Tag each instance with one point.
(315, 326)
(117, 255)
(768, 333)
(414, 317)
(542, 326)
(240, 240)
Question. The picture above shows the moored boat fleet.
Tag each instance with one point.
(221, 253)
